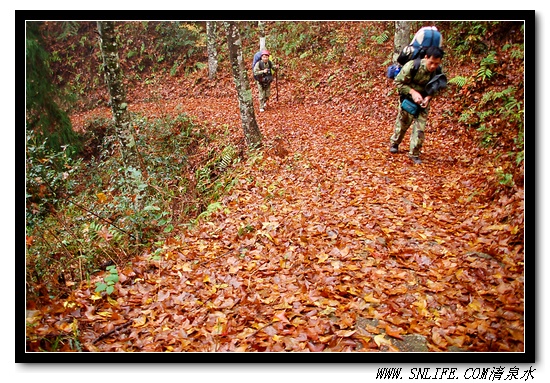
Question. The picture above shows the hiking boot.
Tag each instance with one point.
(415, 159)
(394, 148)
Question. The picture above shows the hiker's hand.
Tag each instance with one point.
(425, 102)
(417, 97)
(266, 70)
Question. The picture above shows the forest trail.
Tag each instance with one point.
(326, 231)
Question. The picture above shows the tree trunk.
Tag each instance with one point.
(401, 38)
(252, 133)
(211, 46)
(114, 79)
(262, 35)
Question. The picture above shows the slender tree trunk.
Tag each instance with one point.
(262, 35)
(401, 37)
(252, 133)
(211, 35)
(114, 79)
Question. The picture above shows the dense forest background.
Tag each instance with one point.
(96, 227)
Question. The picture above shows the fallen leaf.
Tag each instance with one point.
(380, 340)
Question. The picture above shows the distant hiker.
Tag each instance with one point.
(263, 74)
(418, 82)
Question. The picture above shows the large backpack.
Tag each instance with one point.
(417, 49)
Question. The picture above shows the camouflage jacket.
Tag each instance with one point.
(404, 82)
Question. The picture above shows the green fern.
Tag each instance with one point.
(203, 176)
(382, 38)
(94, 229)
(485, 71)
(484, 74)
(226, 157)
(493, 95)
(460, 81)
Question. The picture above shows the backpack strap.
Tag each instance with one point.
(415, 67)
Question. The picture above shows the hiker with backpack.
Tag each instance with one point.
(263, 70)
(417, 83)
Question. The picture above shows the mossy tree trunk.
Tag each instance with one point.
(114, 78)
(401, 38)
(211, 36)
(252, 133)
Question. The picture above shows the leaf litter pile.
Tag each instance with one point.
(327, 242)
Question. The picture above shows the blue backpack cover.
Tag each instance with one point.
(432, 37)
(257, 57)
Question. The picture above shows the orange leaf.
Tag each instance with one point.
(281, 317)
(101, 197)
(394, 332)
(370, 298)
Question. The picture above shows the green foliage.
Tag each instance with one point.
(517, 50)
(195, 67)
(208, 181)
(488, 136)
(48, 177)
(496, 112)
(373, 35)
(496, 106)
(381, 38)
(180, 39)
(485, 71)
(245, 229)
(43, 112)
(109, 281)
(460, 81)
(467, 37)
(505, 179)
(209, 210)
(69, 28)
(296, 39)
(174, 68)
(104, 211)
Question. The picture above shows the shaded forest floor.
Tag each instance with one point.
(327, 242)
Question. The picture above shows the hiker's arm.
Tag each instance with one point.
(408, 90)
(403, 80)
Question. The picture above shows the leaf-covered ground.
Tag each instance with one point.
(327, 242)
(326, 228)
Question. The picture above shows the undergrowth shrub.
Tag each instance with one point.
(498, 112)
(85, 215)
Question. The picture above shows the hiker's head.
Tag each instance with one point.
(265, 55)
(434, 55)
